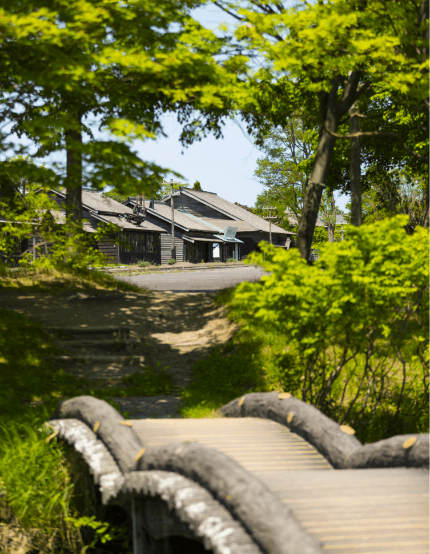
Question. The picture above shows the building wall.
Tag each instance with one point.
(136, 246)
(110, 250)
(166, 239)
(166, 247)
(249, 245)
(197, 208)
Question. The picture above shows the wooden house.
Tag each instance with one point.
(139, 239)
(194, 238)
(205, 222)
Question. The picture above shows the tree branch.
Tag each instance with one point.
(379, 134)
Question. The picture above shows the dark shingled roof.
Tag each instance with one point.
(96, 202)
(224, 206)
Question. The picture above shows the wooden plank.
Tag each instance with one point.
(362, 511)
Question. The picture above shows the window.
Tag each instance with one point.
(139, 243)
(150, 243)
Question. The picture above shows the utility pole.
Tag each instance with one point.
(172, 249)
(269, 217)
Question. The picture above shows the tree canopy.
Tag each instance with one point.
(318, 60)
(91, 77)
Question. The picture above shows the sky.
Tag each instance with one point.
(225, 166)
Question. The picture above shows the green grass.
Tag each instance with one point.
(36, 474)
(58, 282)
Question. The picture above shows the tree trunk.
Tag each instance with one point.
(355, 170)
(424, 16)
(73, 180)
(331, 227)
(332, 110)
(314, 192)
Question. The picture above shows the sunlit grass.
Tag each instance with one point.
(57, 282)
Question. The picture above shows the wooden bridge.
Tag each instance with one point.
(275, 476)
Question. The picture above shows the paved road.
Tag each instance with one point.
(196, 281)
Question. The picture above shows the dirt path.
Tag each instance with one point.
(169, 329)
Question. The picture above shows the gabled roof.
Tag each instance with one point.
(95, 202)
(233, 210)
(242, 226)
(185, 221)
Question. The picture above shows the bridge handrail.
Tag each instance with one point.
(98, 432)
(335, 442)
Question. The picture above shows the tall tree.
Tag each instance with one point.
(79, 67)
(319, 59)
(355, 167)
(313, 63)
(284, 170)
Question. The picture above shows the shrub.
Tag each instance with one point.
(171, 261)
(60, 242)
(143, 263)
(230, 260)
(355, 325)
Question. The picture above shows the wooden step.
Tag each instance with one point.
(122, 330)
(99, 359)
(104, 343)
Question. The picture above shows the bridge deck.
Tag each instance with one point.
(361, 511)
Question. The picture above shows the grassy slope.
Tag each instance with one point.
(35, 474)
(55, 281)
(261, 362)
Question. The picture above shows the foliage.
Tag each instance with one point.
(35, 473)
(165, 189)
(143, 263)
(116, 196)
(77, 68)
(354, 324)
(197, 186)
(285, 171)
(230, 260)
(285, 168)
(61, 243)
(38, 487)
(229, 372)
(61, 281)
(171, 261)
(149, 383)
(394, 192)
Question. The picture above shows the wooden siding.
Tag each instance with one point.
(109, 249)
(197, 208)
(249, 245)
(166, 246)
(166, 239)
(136, 246)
